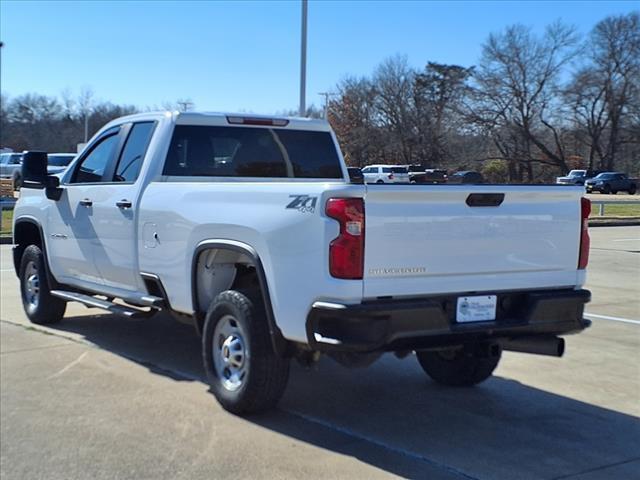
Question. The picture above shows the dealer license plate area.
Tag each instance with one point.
(476, 309)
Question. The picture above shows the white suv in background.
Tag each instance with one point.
(385, 174)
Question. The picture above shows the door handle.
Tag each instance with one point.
(85, 202)
(123, 204)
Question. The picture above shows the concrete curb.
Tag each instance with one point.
(618, 222)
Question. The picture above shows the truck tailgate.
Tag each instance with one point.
(422, 240)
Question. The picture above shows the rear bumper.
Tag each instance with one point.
(384, 325)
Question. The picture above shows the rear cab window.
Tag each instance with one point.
(220, 151)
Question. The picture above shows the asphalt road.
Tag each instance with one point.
(102, 397)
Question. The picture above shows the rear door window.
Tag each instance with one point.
(251, 152)
(133, 152)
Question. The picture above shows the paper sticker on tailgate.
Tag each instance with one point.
(476, 309)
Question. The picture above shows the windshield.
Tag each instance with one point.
(605, 176)
(60, 160)
(13, 158)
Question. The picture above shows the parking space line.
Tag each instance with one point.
(613, 319)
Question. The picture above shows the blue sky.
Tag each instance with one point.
(244, 56)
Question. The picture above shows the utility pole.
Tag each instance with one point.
(326, 96)
(303, 61)
(185, 105)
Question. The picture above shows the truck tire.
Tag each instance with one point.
(244, 372)
(462, 367)
(40, 306)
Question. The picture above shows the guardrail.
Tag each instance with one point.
(602, 203)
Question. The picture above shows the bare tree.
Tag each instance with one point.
(516, 94)
(393, 82)
(352, 116)
(604, 94)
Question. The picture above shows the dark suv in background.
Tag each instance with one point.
(611, 182)
(466, 176)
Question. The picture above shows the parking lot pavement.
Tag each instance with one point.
(105, 397)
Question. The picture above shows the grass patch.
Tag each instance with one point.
(616, 210)
(7, 222)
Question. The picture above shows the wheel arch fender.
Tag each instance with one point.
(28, 231)
(245, 250)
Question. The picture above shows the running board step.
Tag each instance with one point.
(146, 301)
(89, 301)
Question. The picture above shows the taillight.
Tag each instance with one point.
(346, 251)
(585, 207)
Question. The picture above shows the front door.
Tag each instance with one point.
(72, 235)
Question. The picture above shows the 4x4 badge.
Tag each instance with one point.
(303, 203)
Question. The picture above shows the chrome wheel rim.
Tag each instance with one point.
(230, 353)
(32, 286)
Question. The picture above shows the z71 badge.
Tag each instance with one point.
(303, 203)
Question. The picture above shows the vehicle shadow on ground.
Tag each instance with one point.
(392, 417)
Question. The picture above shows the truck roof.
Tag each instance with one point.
(222, 119)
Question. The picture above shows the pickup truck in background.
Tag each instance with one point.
(11, 168)
(574, 177)
(249, 228)
(611, 183)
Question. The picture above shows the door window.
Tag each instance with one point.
(91, 168)
(133, 153)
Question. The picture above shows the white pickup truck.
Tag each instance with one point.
(250, 228)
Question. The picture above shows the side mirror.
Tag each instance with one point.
(34, 170)
(34, 175)
(355, 175)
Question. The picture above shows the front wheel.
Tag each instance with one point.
(606, 189)
(40, 306)
(462, 366)
(246, 375)
(632, 190)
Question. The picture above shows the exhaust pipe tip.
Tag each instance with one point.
(538, 345)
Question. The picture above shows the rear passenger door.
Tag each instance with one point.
(115, 206)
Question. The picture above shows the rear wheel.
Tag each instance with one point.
(246, 375)
(461, 366)
(379, 181)
(40, 306)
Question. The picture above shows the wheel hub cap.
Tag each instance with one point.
(230, 353)
(32, 285)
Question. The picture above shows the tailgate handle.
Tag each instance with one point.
(485, 199)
